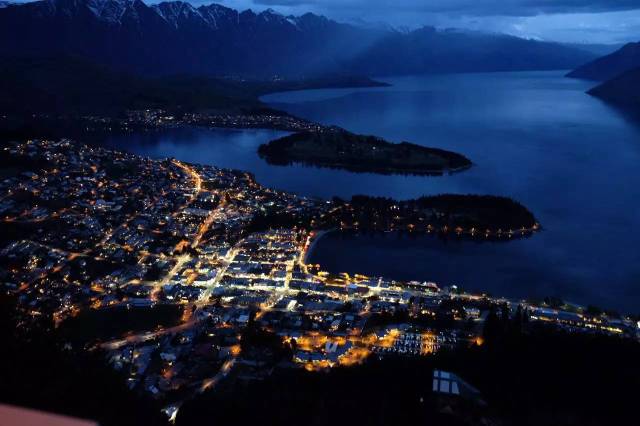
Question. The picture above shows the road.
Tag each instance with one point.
(145, 337)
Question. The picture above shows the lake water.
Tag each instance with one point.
(534, 136)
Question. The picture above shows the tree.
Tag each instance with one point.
(492, 326)
(519, 320)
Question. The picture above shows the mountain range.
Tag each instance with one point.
(176, 37)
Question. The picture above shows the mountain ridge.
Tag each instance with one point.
(610, 66)
(176, 37)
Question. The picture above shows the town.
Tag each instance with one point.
(157, 118)
(185, 276)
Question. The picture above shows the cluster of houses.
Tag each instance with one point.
(92, 229)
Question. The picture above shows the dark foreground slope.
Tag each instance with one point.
(38, 372)
(610, 66)
(541, 377)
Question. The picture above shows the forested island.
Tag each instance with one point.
(338, 148)
(474, 215)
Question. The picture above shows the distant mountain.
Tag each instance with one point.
(595, 49)
(623, 90)
(176, 37)
(376, 25)
(432, 50)
(607, 67)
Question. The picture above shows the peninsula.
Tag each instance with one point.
(338, 148)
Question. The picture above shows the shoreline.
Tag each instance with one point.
(365, 169)
(491, 236)
(313, 241)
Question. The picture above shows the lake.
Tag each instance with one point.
(534, 136)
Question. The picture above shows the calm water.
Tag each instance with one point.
(573, 160)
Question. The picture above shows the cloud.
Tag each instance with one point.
(577, 21)
(462, 7)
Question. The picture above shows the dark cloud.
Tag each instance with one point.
(465, 7)
(575, 21)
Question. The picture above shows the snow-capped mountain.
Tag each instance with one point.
(177, 37)
(110, 10)
(176, 13)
